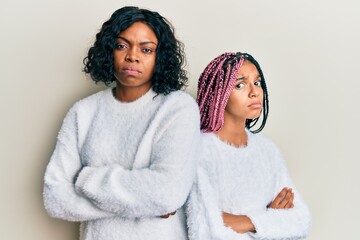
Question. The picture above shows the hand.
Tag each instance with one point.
(168, 215)
(238, 223)
(284, 200)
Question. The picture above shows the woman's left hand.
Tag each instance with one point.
(238, 223)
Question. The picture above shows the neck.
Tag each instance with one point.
(130, 94)
(233, 131)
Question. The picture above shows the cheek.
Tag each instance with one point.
(262, 94)
(116, 61)
(150, 66)
(235, 104)
(151, 63)
(118, 56)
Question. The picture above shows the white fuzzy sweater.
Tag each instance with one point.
(243, 181)
(118, 166)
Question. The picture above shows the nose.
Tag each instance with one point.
(254, 91)
(131, 55)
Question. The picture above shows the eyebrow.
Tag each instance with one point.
(142, 43)
(240, 78)
(243, 78)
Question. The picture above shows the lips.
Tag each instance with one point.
(255, 105)
(130, 70)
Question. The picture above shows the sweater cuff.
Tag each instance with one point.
(256, 218)
(265, 222)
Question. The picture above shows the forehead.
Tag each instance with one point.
(138, 31)
(248, 69)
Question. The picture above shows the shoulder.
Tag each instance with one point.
(262, 142)
(92, 100)
(268, 148)
(179, 103)
(84, 108)
(207, 155)
(180, 99)
(176, 112)
(207, 140)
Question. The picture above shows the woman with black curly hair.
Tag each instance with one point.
(124, 160)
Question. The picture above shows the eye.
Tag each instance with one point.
(240, 85)
(258, 83)
(120, 46)
(147, 50)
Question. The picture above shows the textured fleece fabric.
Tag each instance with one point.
(243, 181)
(118, 166)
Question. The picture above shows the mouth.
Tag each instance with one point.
(255, 105)
(130, 70)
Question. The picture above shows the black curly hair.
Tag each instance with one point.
(169, 74)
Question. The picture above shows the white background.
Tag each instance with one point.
(309, 51)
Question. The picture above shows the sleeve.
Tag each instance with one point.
(61, 199)
(198, 216)
(293, 223)
(204, 216)
(158, 189)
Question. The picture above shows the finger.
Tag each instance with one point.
(165, 216)
(168, 215)
(279, 198)
(291, 202)
(286, 200)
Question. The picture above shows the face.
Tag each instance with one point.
(246, 99)
(134, 56)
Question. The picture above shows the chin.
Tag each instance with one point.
(254, 116)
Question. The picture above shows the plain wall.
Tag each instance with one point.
(309, 54)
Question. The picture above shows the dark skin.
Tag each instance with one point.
(168, 215)
(245, 102)
(284, 200)
(134, 61)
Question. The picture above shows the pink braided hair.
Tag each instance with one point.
(215, 85)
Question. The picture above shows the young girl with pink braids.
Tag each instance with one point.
(243, 189)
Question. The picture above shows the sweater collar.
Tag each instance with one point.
(250, 141)
(138, 103)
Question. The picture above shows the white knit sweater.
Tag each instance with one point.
(243, 181)
(118, 166)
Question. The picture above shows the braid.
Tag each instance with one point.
(214, 88)
(215, 85)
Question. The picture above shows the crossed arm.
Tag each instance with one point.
(243, 224)
(81, 193)
(285, 217)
